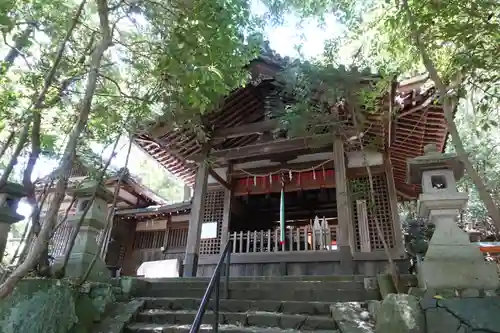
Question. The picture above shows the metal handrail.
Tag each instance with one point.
(214, 284)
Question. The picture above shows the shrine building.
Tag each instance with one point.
(288, 205)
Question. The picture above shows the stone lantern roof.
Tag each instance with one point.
(433, 160)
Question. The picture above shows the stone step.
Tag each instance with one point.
(154, 328)
(118, 317)
(296, 285)
(296, 278)
(239, 305)
(283, 294)
(258, 319)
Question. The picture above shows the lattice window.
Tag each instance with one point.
(60, 239)
(359, 189)
(58, 244)
(213, 212)
(177, 237)
(121, 254)
(149, 240)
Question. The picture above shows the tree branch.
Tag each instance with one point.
(449, 105)
(103, 242)
(102, 8)
(16, 49)
(7, 143)
(67, 159)
(71, 243)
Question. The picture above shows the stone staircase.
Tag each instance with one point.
(305, 304)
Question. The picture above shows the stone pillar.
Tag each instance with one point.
(195, 222)
(86, 247)
(10, 195)
(343, 211)
(451, 261)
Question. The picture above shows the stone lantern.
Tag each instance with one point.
(10, 195)
(86, 247)
(451, 261)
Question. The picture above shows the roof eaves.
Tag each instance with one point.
(175, 207)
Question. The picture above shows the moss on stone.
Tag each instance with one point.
(91, 305)
(54, 306)
(39, 306)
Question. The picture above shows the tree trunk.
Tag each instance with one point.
(372, 207)
(71, 243)
(448, 107)
(43, 265)
(65, 217)
(482, 190)
(109, 225)
(7, 144)
(111, 214)
(68, 156)
(16, 50)
(23, 137)
(35, 117)
(35, 221)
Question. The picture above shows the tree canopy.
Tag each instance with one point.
(457, 43)
(76, 75)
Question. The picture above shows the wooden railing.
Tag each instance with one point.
(296, 239)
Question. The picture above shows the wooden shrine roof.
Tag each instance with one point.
(143, 196)
(418, 121)
(159, 211)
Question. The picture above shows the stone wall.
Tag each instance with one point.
(402, 313)
(54, 306)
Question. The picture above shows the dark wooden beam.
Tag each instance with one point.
(404, 195)
(219, 179)
(284, 157)
(244, 130)
(269, 148)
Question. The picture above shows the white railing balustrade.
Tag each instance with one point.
(304, 238)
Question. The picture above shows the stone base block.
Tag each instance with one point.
(400, 313)
(79, 263)
(463, 315)
(190, 265)
(346, 261)
(437, 274)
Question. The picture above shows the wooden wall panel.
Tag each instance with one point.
(151, 225)
(360, 190)
(213, 212)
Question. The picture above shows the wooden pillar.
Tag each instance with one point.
(196, 218)
(129, 264)
(343, 213)
(393, 200)
(167, 231)
(364, 230)
(187, 193)
(228, 193)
